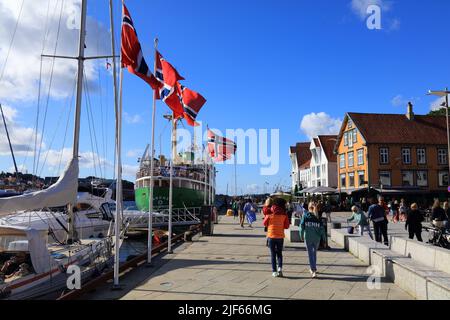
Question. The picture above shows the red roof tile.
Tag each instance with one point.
(303, 154)
(398, 129)
(328, 143)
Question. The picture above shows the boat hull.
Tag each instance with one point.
(182, 197)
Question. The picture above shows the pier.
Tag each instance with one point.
(233, 264)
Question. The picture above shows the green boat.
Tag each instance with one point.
(193, 184)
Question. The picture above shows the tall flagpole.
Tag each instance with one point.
(206, 176)
(173, 143)
(152, 182)
(118, 111)
(235, 175)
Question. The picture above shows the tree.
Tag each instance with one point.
(439, 112)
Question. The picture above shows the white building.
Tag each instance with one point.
(300, 155)
(323, 166)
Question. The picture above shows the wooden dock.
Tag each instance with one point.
(234, 264)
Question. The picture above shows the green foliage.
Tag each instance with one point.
(439, 112)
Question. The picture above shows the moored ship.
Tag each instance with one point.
(193, 182)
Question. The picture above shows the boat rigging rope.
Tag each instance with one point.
(50, 84)
(56, 131)
(67, 126)
(44, 41)
(92, 134)
(12, 41)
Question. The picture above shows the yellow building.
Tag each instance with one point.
(393, 153)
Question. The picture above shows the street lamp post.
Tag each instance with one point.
(445, 94)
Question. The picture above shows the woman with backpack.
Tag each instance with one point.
(312, 232)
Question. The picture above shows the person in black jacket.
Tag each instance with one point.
(414, 223)
(438, 213)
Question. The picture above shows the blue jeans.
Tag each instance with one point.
(312, 254)
(276, 253)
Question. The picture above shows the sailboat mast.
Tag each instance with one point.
(76, 134)
(9, 142)
(118, 111)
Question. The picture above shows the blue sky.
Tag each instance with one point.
(267, 64)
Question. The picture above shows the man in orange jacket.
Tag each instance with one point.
(276, 221)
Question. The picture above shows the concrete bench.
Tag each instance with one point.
(361, 247)
(427, 254)
(341, 237)
(293, 234)
(418, 280)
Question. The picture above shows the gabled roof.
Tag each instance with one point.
(303, 154)
(328, 143)
(398, 129)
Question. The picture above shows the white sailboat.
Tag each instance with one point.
(30, 266)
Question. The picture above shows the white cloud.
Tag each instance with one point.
(359, 7)
(129, 170)
(22, 137)
(134, 153)
(398, 101)
(252, 188)
(437, 104)
(132, 118)
(21, 76)
(315, 124)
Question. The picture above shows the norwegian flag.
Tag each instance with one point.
(192, 103)
(132, 57)
(168, 78)
(220, 149)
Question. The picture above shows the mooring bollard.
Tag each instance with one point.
(188, 236)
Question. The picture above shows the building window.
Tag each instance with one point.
(350, 123)
(442, 156)
(351, 159)
(384, 155)
(350, 139)
(343, 181)
(422, 178)
(318, 172)
(345, 139)
(385, 178)
(355, 136)
(443, 178)
(351, 179)
(360, 157)
(406, 155)
(421, 156)
(342, 161)
(361, 178)
(408, 178)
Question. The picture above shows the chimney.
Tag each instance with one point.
(410, 113)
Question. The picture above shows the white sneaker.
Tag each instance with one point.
(280, 273)
(310, 271)
(314, 275)
(275, 274)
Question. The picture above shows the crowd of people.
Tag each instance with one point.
(278, 212)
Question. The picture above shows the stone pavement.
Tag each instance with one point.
(234, 264)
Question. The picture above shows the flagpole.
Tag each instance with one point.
(235, 175)
(206, 176)
(173, 142)
(118, 109)
(152, 182)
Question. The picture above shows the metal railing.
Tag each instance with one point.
(180, 217)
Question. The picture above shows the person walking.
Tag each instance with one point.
(235, 208)
(403, 209)
(414, 222)
(276, 221)
(327, 210)
(250, 212)
(377, 215)
(241, 212)
(361, 221)
(437, 213)
(312, 233)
